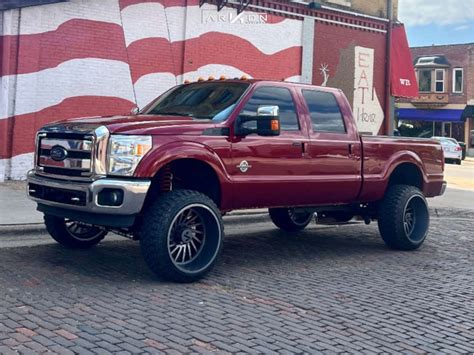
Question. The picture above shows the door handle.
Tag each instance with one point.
(300, 144)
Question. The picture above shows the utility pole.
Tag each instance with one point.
(389, 100)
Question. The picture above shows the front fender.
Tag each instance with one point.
(166, 153)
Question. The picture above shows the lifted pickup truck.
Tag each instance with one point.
(167, 174)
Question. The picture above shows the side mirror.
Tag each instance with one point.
(267, 119)
(135, 110)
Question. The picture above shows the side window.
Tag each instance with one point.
(324, 110)
(280, 97)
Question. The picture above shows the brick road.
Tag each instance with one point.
(329, 288)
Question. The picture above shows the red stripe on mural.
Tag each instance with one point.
(157, 55)
(72, 40)
(165, 3)
(26, 126)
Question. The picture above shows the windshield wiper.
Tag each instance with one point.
(174, 113)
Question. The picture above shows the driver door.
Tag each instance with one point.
(271, 171)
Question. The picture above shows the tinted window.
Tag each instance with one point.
(325, 113)
(280, 97)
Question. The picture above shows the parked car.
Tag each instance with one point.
(166, 175)
(451, 148)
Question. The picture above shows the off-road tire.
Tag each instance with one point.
(158, 232)
(401, 201)
(61, 230)
(283, 219)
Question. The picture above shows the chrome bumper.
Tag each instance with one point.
(134, 194)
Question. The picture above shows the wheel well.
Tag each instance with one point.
(407, 174)
(190, 174)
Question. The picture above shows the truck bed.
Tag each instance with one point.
(383, 154)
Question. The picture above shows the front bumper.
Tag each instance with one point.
(81, 198)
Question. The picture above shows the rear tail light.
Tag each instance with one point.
(458, 148)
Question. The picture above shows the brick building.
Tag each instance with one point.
(75, 58)
(445, 106)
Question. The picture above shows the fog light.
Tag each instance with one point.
(110, 197)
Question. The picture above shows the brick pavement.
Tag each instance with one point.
(331, 289)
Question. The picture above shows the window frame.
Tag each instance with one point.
(436, 81)
(418, 79)
(344, 124)
(300, 126)
(454, 80)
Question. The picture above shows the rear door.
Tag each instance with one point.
(271, 171)
(334, 148)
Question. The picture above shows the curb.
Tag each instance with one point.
(254, 215)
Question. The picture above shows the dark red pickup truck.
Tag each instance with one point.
(167, 174)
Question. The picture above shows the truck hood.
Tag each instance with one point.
(136, 124)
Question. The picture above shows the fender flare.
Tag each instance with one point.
(167, 153)
(399, 158)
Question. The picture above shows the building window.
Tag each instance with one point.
(424, 80)
(458, 80)
(439, 80)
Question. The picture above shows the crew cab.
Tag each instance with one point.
(166, 174)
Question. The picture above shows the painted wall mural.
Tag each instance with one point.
(102, 57)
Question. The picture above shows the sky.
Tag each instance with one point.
(430, 22)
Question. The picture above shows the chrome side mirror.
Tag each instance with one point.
(268, 120)
(273, 111)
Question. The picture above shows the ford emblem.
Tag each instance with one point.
(58, 153)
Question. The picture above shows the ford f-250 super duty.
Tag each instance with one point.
(165, 175)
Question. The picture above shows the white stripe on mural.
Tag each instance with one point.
(147, 20)
(78, 77)
(295, 79)
(16, 167)
(39, 19)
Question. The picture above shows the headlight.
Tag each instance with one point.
(125, 152)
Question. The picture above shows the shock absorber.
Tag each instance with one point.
(166, 179)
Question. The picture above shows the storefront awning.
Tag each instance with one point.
(413, 114)
(403, 79)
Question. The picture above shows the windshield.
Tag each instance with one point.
(211, 101)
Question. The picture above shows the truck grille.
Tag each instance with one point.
(67, 154)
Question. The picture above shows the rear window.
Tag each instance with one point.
(324, 110)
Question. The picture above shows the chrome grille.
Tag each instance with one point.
(77, 157)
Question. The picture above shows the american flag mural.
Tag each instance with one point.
(91, 57)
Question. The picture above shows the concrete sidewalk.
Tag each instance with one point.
(15, 207)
